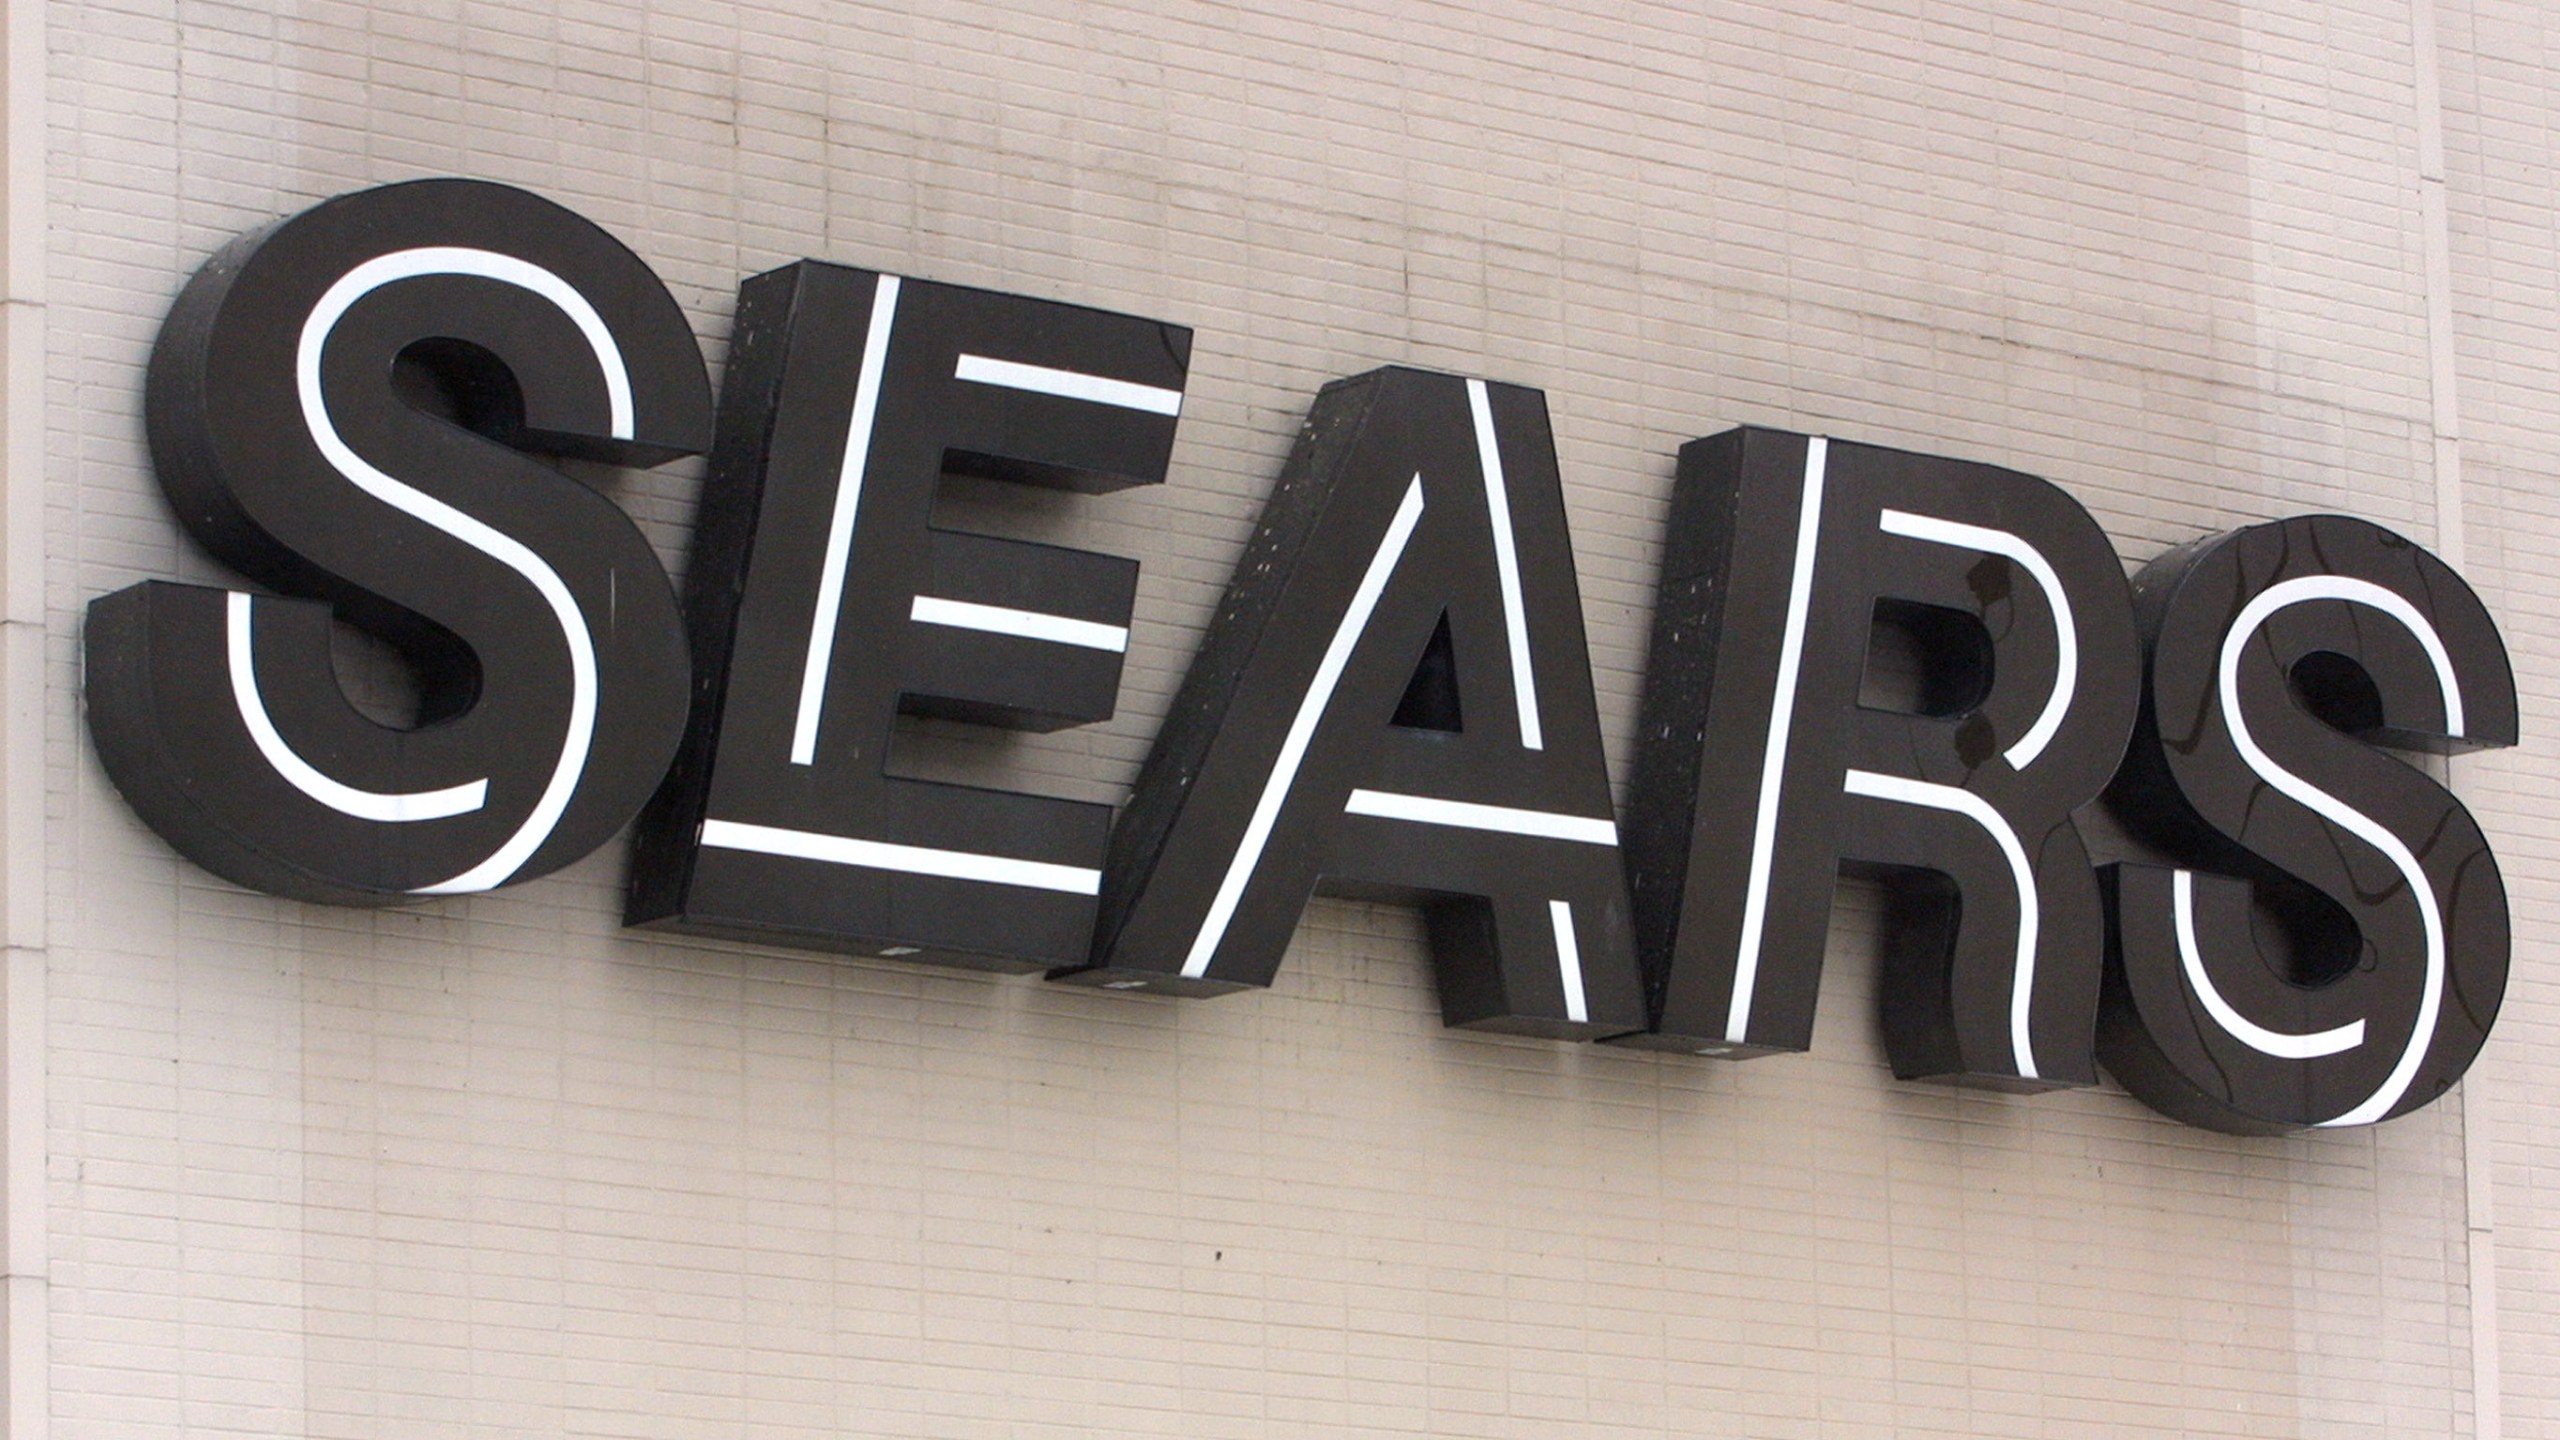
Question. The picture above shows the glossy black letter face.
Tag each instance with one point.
(340, 408)
(1394, 700)
(2364, 977)
(1760, 773)
(824, 602)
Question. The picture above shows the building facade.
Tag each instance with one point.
(499, 1166)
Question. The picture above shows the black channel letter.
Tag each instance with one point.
(1760, 773)
(2285, 661)
(825, 602)
(339, 408)
(1395, 700)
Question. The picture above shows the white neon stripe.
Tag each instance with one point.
(1069, 384)
(2240, 1027)
(1568, 962)
(2022, 974)
(1506, 564)
(301, 774)
(2338, 812)
(373, 274)
(579, 738)
(1027, 624)
(905, 859)
(857, 458)
(1467, 815)
(2066, 634)
(1782, 714)
(1302, 729)
(2354, 592)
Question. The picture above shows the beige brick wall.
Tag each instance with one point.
(2499, 72)
(493, 1167)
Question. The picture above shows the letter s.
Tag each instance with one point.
(2281, 661)
(340, 408)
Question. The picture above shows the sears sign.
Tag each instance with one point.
(1393, 700)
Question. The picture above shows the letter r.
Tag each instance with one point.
(1761, 772)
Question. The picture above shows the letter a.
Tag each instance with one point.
(1394, 702)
